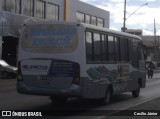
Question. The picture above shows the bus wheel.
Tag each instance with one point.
(106, 100)
(136, 92)
(58, 100)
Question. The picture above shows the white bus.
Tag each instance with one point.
(62, 60)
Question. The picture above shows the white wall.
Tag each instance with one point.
(77, 5)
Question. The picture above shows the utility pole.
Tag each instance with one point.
(124, 23)
(155, 33)
(156, 46)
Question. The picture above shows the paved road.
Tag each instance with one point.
(11, 100)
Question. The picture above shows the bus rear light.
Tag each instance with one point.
(76, 78)
(76, 81)
(19, 68)
(19, 76)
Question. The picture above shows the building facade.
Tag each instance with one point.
(135, 31)
(152, 47)
(14, 13)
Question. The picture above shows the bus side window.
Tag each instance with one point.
(142, 64)
(122, 49)
(111, 48)
(104, 48)
(130, 50)
(117, 49)
(89, 47)
(140, 53)
(135, 53)
(97, 48)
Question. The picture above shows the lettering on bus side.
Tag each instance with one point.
(123, 71)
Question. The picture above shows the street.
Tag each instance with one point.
(11, 100)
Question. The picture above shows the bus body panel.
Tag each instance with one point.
(70, 65)
(125, 81)
(72, 91)
(48, 73)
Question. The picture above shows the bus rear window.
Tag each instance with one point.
(49, 38)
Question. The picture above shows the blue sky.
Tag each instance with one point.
(143, 18)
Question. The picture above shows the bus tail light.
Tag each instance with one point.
(76, 81)
(76, 78)
(19, 76)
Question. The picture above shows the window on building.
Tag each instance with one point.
(100, 22)
(52, 12)
(80, 17)
(11, 6)
(93, 20)
(88, 19)
(40, 11)
(27, 7)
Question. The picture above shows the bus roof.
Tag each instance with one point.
(89, 26)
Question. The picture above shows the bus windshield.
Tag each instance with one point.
(49, 38)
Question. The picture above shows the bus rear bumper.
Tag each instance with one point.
(72, 91)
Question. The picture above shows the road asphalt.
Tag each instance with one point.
(141, 111)
(7, 85)
(146, 110)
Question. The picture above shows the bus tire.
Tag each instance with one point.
(58, 100)
(106, 100)
(135, 93)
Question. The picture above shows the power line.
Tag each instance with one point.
(137, 24)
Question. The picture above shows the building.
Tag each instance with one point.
(14, 13)
(152, 45)
(134, 31)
